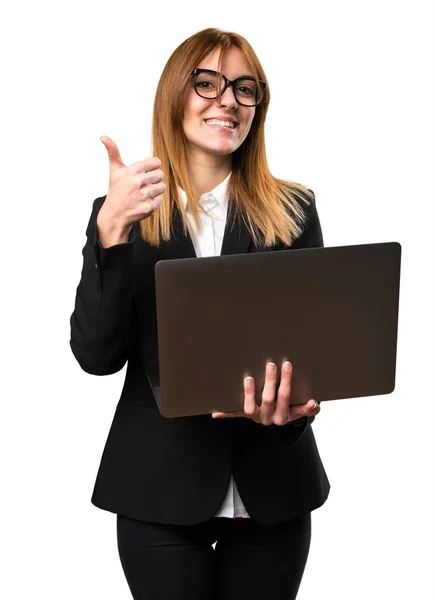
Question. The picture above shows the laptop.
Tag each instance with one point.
(332, 312)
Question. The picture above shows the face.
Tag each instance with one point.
(213, 139)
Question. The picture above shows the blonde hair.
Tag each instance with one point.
(270, 207)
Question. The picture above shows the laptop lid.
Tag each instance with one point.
(333, 312)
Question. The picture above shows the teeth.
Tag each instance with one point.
(224, 123)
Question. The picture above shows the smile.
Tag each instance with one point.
(221, 124)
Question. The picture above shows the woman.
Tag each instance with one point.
(179, 485)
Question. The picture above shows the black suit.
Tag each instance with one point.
(177, 470)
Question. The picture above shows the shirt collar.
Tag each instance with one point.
(219, 193)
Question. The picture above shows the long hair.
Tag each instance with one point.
(271, 208)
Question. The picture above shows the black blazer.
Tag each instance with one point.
(177, 470)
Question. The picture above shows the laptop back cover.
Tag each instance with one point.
(333, 312)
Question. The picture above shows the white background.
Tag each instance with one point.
(351, 116)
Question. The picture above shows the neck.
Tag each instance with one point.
(206, 171)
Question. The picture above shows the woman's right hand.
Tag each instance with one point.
(134, 193)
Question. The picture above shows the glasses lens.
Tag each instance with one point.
(208, 85)
(246, 92)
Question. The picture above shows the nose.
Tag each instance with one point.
(228, 98)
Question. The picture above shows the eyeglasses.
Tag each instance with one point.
(207, 84)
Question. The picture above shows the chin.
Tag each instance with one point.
(223, 152)
(220, 149)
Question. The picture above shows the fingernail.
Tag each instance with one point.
(286, 366)
(248, 382)
(271, 368)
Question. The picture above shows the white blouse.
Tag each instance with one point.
(209, 243)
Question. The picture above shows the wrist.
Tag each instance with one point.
(111, 232)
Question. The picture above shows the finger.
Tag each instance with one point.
(150, 177)
(250, 406)
(312, 407)
(268, 394)
(281, 413)
(309, 409)
(151, 205)
(115, 161)
(151, 191)
(145, 166)
(221, 415)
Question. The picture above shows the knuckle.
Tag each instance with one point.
(145, 194)
(138, 181)
(280, 420)
(283, 396)
(267, 399)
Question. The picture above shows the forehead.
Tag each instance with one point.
(234, 63)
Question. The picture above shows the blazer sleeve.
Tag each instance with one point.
(311, 237)
(100, 322)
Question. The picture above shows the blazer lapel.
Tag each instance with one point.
(236, 239)
(180, 245)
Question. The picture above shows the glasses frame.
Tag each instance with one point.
(228, 83)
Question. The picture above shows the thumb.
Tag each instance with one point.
(303, 410)
(114, 156)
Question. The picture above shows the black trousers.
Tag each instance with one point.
(178, 562)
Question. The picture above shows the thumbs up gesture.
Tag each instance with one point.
(134, 193)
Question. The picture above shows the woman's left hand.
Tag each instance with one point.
(272, 411)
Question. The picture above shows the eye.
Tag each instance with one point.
(206, 85)
(245, 90)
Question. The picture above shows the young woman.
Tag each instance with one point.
(246, 480)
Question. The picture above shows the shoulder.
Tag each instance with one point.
(298, 200)
(305, 200)
(311, 234)
(304, 212)
(300, 204)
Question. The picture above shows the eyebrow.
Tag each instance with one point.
(239, 76)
